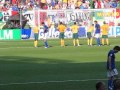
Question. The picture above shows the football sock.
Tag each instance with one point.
(98, 41)
(102, 41)
(77, 42)
(110, 85)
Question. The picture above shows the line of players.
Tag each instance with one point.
(94, 30)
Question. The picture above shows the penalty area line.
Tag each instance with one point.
(25, 83)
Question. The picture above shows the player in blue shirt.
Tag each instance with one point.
(97, 33)
(45, 34)
(112, 72)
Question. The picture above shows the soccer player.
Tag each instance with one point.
(45, 33)
(36, 30)
(104, 31)
(89, 34)
(61, 28)
(74, 29)
(112, 72)
(97, 33)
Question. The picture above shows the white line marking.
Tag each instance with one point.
(85, 80)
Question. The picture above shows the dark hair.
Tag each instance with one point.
(42, 22)
(99, 84)
(116, 84)
(95, 21)
(74, 22)
(117, 48)
(60, 22)
(104, 22)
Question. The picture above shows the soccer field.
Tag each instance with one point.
(23, 67)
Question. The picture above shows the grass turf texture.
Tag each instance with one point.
(21, 63)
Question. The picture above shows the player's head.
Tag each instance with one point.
(104, 22)
(116, 49)
(74, 23)
(117, 84)
(95, 21)
(100, 86)
(61, 23)
(43, 23)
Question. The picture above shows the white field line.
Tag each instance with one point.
(43, 46)
(25, 83)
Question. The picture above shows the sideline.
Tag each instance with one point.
(25, 83)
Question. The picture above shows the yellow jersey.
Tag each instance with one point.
(36, 29)
(75, 28)
(61, 28)
(105, 29)
(78, 3)
(43, 1)
(64, 1)
(91, 29)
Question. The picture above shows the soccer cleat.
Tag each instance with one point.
(46, 47)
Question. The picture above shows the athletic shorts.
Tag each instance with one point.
(36, 36)
(112, 73)
(61, 35)
(104, 36)
(75, 35)
(97, 35)
(89, 35)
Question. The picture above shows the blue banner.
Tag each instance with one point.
(26, 33)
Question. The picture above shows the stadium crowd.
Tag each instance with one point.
(57, 4)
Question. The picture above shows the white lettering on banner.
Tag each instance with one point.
(111, 31)
(6, 15)
(114, 31)
(8, 34)
(79, 16)
(29, 15)
(117, 31)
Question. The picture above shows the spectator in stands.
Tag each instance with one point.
(92, 4)
(106, 4)
(99, 4)
(114, 4)
(15, 7)
(43, 3)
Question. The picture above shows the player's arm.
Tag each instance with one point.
(58, 28)
(109, 61)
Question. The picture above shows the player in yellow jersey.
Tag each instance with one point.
(74, 29)
(36, 31)
(105, 30)
(89, 35)
(61, 29)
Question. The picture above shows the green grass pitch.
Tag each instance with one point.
(23, 67)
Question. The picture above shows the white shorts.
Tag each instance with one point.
(112, 73)
(97, 35)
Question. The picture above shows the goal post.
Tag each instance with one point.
(84, 17)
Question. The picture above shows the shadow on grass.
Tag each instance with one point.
(15, 69)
